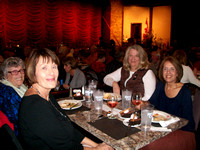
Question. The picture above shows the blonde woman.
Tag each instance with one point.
(134, 75)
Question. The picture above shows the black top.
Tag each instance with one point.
(43, 127)
(180, 105)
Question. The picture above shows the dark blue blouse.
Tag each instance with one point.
(9, 104)
(180, 106)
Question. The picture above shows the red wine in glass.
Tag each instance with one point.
(112, 103)
(136, 98)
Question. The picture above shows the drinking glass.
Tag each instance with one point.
(88, 94)
(92, 84)
(146, 116)
(126, 99)
(112, 103)
(136, 98)
(98, 101)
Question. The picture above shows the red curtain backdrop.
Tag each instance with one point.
(49, 22)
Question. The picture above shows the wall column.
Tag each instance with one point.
(116, 23)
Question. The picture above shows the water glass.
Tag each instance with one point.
(146, 116)
(88, 94)
(92, 84)
(98, 101)
(126, 99)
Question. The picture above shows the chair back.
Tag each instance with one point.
(8, 139)
(4, 120)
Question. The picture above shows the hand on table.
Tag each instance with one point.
(103, 146)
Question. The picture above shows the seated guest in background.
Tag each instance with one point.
(116, 63)
(1, 59)
(12, 88)
(75, 78)
(99, 65)
(196, 69)
(188, 75)
(134, 75)
(171, 95)
(43, 124)
(93, 55)
(155, 62)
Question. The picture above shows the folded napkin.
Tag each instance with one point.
(168, 122)
(115, 110)
(160, 129)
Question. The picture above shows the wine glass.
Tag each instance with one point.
(112, 103)
(136, 98)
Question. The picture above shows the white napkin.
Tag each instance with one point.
(115, 110)
(160, 129)
(166, 123)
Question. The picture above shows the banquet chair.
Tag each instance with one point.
(4, 120)
(176, 140)
(8, 139)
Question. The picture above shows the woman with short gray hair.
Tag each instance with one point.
(12, 88)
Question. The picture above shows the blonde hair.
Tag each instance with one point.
(144, 63)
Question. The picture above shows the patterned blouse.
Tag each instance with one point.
(9, 104)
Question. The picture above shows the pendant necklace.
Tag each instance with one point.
(51, 104)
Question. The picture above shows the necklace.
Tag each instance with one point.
(51, 104)
(39, 93)
(58, 110)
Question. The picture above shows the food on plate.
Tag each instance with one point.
(68, 104)
(126, 113)
(78, 96)
(134, 120)
(107, 96)
(159, 117)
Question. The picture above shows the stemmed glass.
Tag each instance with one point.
(112, 103)
(136, 98)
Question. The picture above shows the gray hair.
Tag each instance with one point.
(11, 62)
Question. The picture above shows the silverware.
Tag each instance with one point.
(73, 106)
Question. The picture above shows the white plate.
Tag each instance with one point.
(65, 104)
(79, 99)
(126, 121)
(111, 94)
(162, 114)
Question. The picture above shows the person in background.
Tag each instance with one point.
(1, 59)
(188, 75)
(134, 75)
(42, 122)
(116, 63)
(171, 95)
(196, 69)
(155, 62)
(75, 78)
(93, 55)
(12, 88)
(99, 65)
(27, 50)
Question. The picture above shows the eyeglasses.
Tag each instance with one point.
(15, 72)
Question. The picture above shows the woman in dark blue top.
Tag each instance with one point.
(171, 95)
(12, 88)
